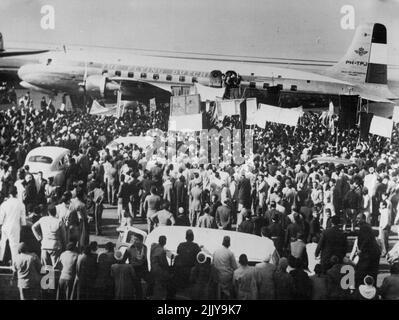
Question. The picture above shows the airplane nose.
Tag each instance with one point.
(25, 72)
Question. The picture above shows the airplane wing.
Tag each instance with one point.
(20, 53)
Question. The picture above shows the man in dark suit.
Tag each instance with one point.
(145, 186)
(332, 243)
(244, 197)
(277, 233)
(180, 191)
(247, 226)
(223, 216)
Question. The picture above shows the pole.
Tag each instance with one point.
(118, 104)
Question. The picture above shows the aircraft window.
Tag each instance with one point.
(118, 73)
(252, 84)
(130, 75)
(308, 81)
(169, 77)
(143, 75)
(194, 79)
(105, 71)
(155, 76)
(294, 88)
(266, 85)
(182, 78)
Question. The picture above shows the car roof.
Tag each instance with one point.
(48, 151)
(255, 247)
(141, 141)
(334, 160)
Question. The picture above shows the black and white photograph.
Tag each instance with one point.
(185, 150)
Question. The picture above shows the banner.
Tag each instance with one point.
(268, 113)
(98, 110)
(381, 127)
(192, 122)
(395, 116)
(252, 109)
(228, 108)
(208, 93)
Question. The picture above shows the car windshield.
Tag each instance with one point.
(40, 159)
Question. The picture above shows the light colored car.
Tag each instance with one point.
(255, 247)
(141, 141)
(335, 160)
(52, 161)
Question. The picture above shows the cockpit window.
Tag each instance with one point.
(49, 61)
(40, 159)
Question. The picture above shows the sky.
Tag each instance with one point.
(255, 28)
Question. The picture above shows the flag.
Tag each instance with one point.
(331, 109)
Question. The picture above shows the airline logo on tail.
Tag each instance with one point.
(361, 51)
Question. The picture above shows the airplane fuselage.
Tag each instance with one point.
(64, 73)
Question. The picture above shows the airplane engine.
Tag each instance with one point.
(215, 78)
(99, 86)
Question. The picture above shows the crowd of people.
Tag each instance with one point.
(304, 207)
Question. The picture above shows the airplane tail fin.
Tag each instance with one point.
(1, 43)
(367, 57)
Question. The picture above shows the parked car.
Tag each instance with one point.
(141, 141)
(209, 240)
(335, 160)
(52, 161)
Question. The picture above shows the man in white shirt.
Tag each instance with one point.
(52, 234)
(12, 217)
(19, 184)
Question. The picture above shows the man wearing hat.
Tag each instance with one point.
(264, 272)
